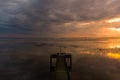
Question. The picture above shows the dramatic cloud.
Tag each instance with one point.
(53, 18)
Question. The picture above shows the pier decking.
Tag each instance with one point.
(60, 65)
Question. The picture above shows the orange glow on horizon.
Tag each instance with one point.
(100, 28)
(113, 44)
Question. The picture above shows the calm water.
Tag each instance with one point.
(25, 59)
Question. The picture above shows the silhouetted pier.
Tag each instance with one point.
(60, 66)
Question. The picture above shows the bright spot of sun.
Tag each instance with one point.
(113, 20)
(114, 46)
(113, 55)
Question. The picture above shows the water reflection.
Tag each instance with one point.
(113, 55)
(29, 60)
(114, 49)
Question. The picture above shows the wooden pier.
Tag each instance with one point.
(60, 66)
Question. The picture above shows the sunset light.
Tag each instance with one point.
(114, 46)
(113, 55)
(115, 29)
(114, 20)
(59, 39)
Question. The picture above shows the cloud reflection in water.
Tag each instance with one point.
(29, 60)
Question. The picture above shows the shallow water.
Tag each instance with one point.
(25, 59)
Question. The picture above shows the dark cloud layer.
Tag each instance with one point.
(43, 16)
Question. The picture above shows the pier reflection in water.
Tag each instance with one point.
(29, 60)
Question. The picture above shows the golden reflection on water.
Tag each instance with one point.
(113, 55)
(114, 45)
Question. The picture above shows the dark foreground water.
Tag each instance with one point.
(28, 59)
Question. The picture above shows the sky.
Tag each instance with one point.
(60, 18)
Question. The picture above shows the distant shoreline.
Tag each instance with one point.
(60, 39)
